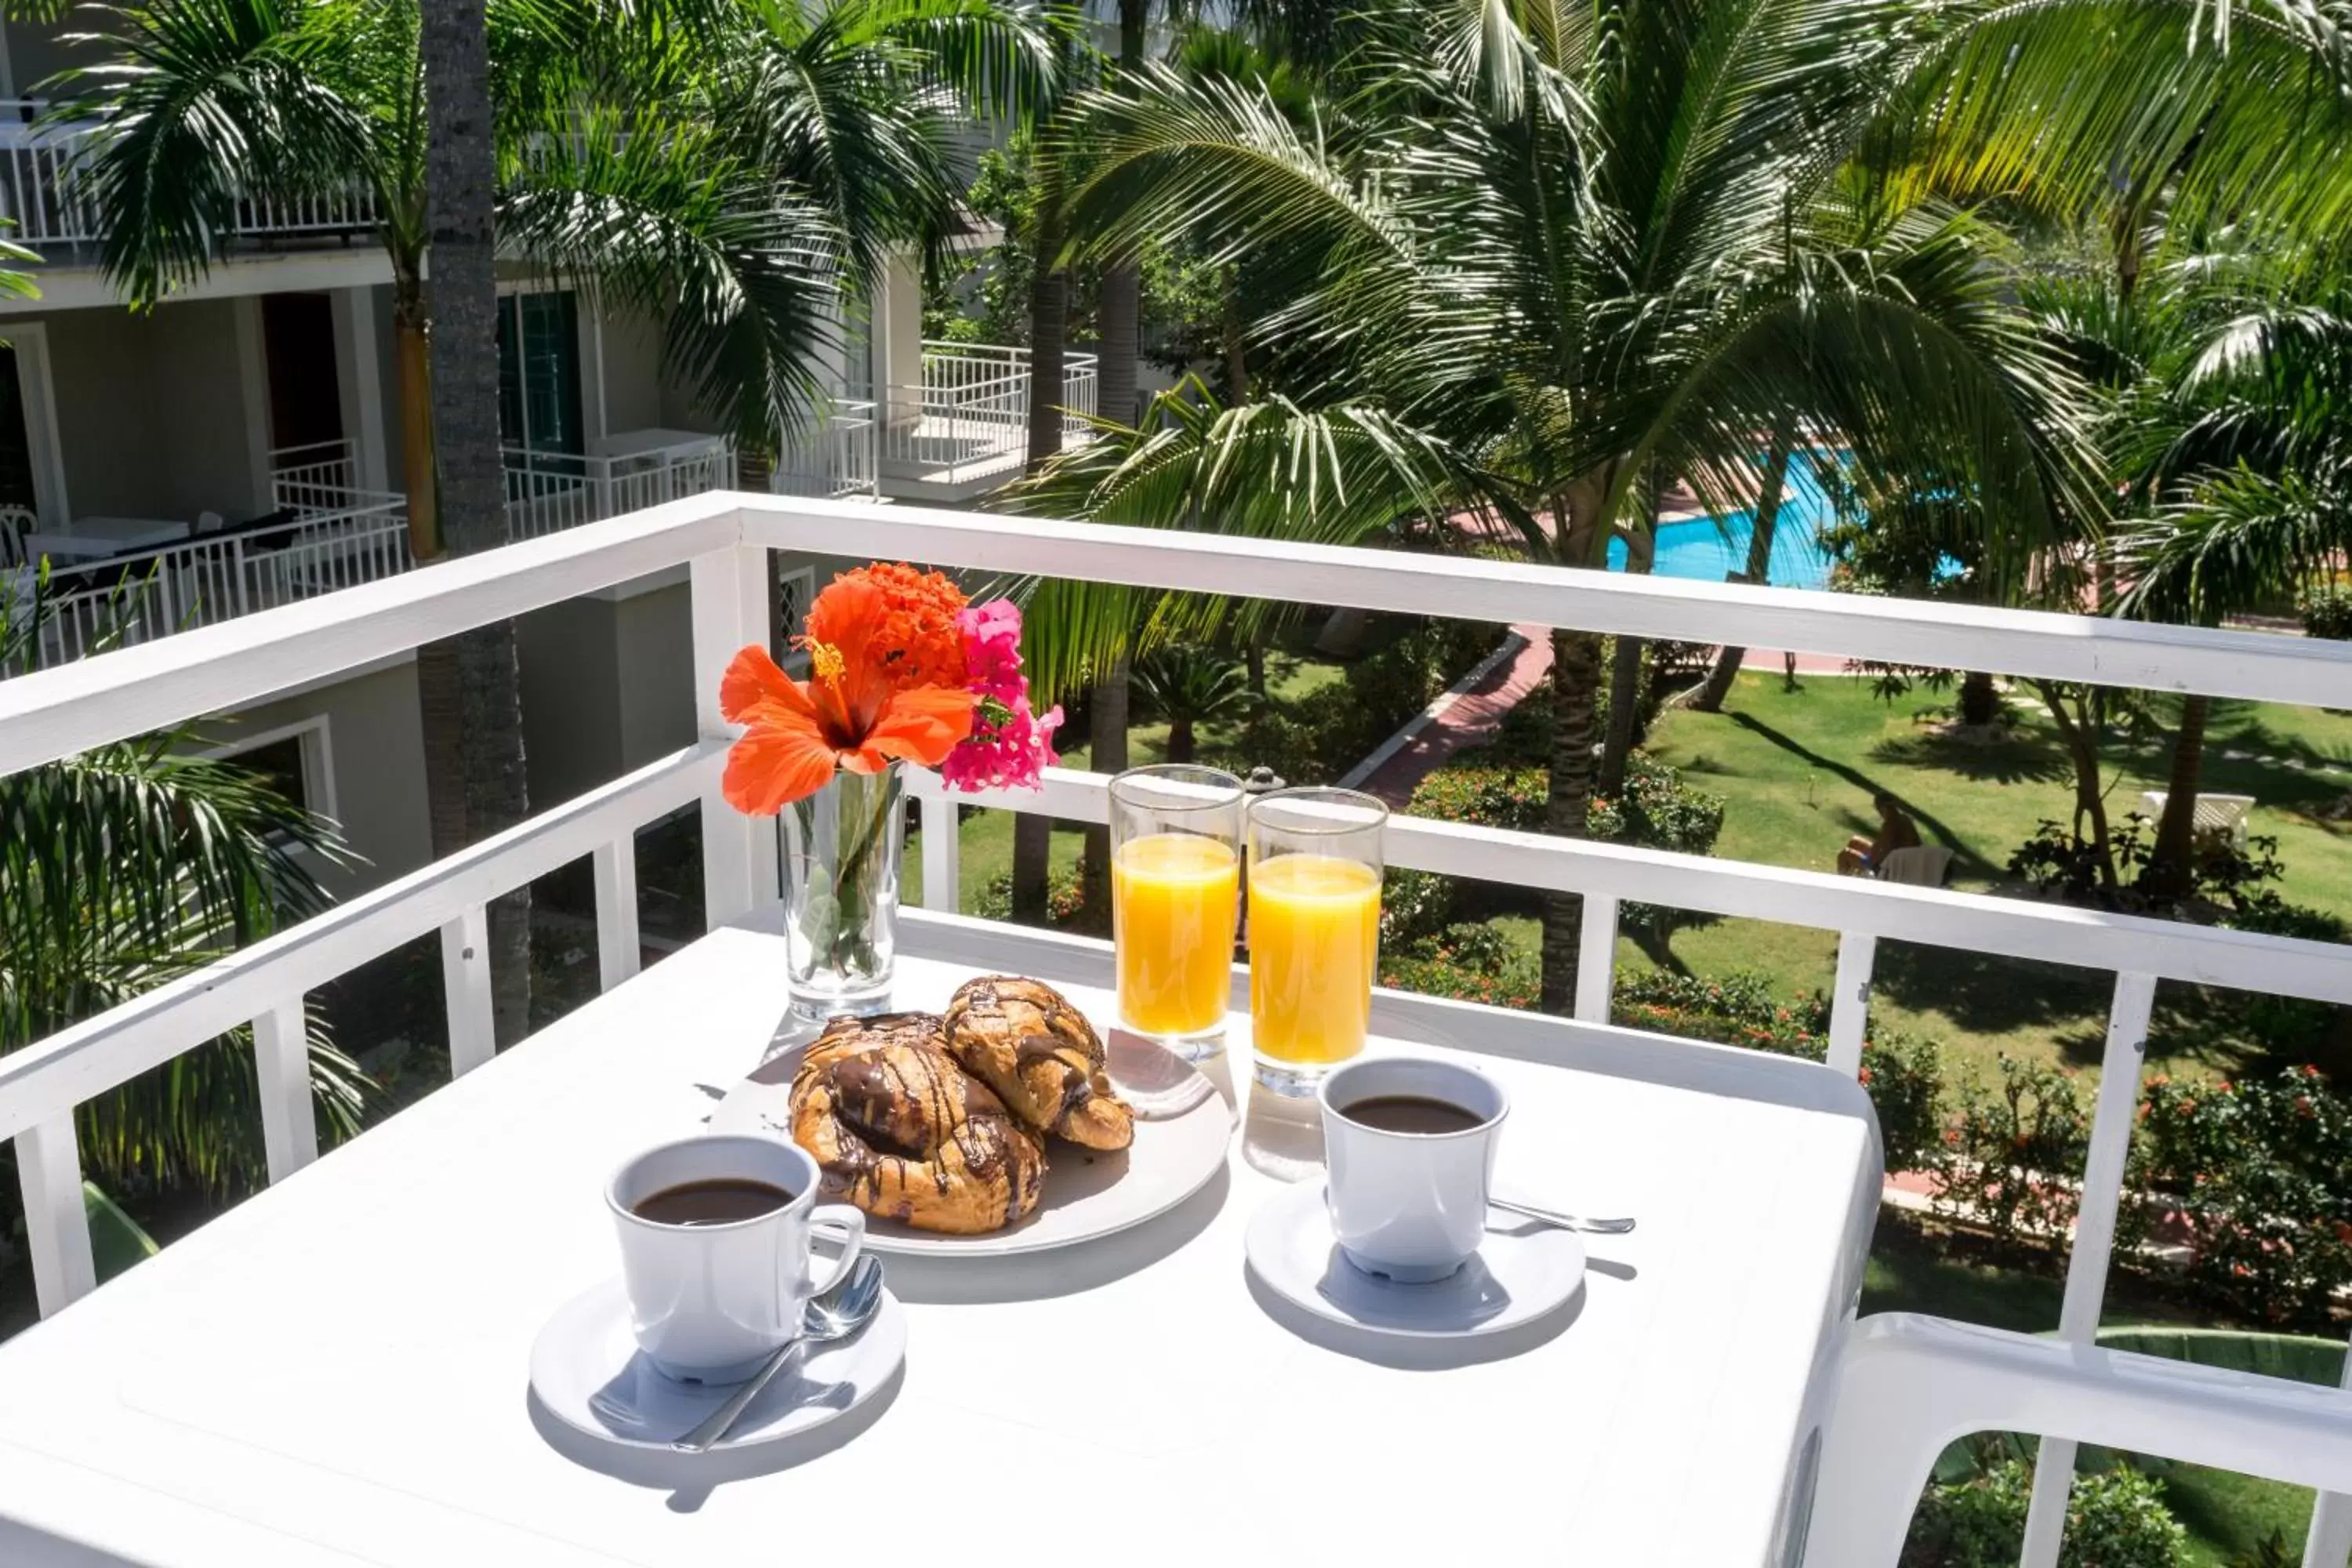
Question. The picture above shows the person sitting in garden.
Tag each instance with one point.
(1862, 857)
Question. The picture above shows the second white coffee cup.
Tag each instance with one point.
(711, 1299)
(1410, 1205)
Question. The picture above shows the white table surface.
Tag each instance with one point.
(94, 536)
(335, 1371)
(638, 443)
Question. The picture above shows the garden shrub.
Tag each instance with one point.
(2256, 1170)
(1440, 970)
(2014, 1151)
(2328, 612)
(2116, 1518)
(1903, 1074)
(1415, 906)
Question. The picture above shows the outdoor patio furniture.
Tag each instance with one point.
(88, 537)
(1920, 866)
(2219, 818)
(15, 523)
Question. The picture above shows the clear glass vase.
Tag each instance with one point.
(842, 847)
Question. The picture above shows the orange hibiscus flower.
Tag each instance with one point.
(851, 713)
(903, 619)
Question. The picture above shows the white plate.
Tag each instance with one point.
(588, 1373)
(1523, 1270)
(1182, 1130)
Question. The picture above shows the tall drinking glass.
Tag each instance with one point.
(1175, 866)
(1315, 864)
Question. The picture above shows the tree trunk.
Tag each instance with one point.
(1238, 376)
(1049, 304)
(1625, 671)
(2076, 715)
(2172, 861)
(414, 359)
(1725, 668)
(1032, 866)
(1980, 703)
(1107, 754)
(1119, 298)
(1575, 676)
(1255, 659)
(1180, 744)
(478, 672)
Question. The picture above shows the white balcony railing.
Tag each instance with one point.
(46, 199)
(838, 461)
(968, 420)
(547, 491)
(1908, 1385)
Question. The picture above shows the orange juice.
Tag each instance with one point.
(1171, 906)
(1313, 942)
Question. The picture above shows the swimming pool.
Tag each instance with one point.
(1704, 550)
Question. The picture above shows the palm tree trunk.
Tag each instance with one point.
(1237, 377)
(1980, 702)
(1049, 295)
(2078, 727)
(1181, 744)
(415, 414)
(1575, 678)
(475, 672)
(1625, 666)
(1107, 754)
(2171, 862)
(1119, 298)
(1255, 659)
(1725, 668)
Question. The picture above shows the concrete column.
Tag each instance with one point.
(366, 396)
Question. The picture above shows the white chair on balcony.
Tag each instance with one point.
(209, 523)
(16, 522)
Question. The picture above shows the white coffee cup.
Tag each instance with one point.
(710, 1302)
(1411, 1206)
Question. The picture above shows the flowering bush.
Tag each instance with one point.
(1440, 972)
(2012, 1155)
(2255, 1172)
(1903, 1076)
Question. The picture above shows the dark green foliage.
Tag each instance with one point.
(2115, 1519)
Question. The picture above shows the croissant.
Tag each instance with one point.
(1024, 1039)
(904, 1133)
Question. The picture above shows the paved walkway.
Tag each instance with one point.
(1469, 719)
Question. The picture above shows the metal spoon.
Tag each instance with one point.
(1565, 1221)
(835, 1315)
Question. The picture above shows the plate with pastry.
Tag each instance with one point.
(992, 1128)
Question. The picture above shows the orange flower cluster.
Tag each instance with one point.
(886, 684)
(912, 630)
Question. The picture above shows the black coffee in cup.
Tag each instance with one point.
(719, 1202)
(1409, 1113)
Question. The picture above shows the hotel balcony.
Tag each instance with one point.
(275, 1382)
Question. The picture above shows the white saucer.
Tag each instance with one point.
(1522, 1271)
(586, 1371)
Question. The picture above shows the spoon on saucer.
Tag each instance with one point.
(1564, 1221)
(835, 1315)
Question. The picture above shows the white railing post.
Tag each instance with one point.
(731, 610)
(2329, 1541)
(465, 982)
(1850, 1000)
(1596, 959)
(617, 953)
(282, 1055)
(57, 1225)
(2094, 1243)
(943, 846)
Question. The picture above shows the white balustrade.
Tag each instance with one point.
(839, 460)
(1910, 1386)
(46, 199)
(547, 491)
(969, 419)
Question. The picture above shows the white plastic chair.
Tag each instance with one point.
(208, 523)
(2216, 816)
(1907, 1385)
(16, 522)
(1921, 865)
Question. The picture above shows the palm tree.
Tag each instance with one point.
(1612, 249)
(133, 865)
(1187, 684)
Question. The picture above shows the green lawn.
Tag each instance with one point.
(1796, 770)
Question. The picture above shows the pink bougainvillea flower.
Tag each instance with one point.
(991, 650)
(1008, 749)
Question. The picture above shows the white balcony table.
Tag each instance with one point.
(88, 538)
(335, 1371)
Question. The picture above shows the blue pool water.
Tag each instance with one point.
(1704, 550)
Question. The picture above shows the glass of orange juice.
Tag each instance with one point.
(1315, 864)
(1175, 884)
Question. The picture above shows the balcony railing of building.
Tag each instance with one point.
(836, 461)
(548, 492)
(45, 198)
(1906, 1385)
(968, 420)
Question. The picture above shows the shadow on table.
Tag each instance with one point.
(691, 1478)
(1414, 1355)
(962, 1281)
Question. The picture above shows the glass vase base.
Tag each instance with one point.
(818, 1006)
(1292, 1080)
